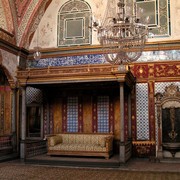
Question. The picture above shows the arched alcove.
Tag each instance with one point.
(7, 85)
(168, 118)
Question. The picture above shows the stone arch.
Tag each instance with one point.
(10, 79)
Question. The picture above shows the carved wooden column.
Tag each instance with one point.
(23, 124)
(13, 121)
(159, 143)
(127, 81)
(129, 117)
(122, 138)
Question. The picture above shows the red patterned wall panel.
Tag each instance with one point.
(45, 117)
(64, 115)
(5, 109)
(140, 71)
(150, 73)
(166, 70)
(156, 70)
(51, 119)
(111, 115)
(80, 114)
(126, 116)
(151, 111)
(2, 120)
(94, 114)
(133, 114)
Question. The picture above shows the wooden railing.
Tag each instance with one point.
(6, 144)
(34, 148)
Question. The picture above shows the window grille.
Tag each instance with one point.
(72, 114)
(33, 95)
(142, 111)
(103, 113)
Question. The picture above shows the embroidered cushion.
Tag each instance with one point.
(55, 140)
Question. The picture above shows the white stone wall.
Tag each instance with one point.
(48, 25)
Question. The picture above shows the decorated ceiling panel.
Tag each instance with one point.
(6, 21)
(2, 17)
(21, 7)
(18, 16)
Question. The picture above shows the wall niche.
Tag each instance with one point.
(168, 118)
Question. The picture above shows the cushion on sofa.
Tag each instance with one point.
(102, 141)
(55, 140)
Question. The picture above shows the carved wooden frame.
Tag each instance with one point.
(169, 99)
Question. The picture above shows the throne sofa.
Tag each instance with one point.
(81, 145)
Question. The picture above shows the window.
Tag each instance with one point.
(72, 114)
(74, 20)
(103, 114)
(159, 13)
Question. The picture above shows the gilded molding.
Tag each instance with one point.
(83, 73)
(143, 142)
(6, 36)
(156, 71)
(97, 49)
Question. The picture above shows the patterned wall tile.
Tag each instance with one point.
(67, 61)
(100, 59)
(33, 95)
(142, 111)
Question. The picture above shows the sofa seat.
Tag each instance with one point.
(81, 144)
(78, 147)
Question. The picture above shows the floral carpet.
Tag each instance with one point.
(21, 171)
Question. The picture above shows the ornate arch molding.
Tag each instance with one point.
(34, 22)
(168, 102)
(10, 79)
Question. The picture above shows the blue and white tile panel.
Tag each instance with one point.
(148, 56)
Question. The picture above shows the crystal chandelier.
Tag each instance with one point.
(122, 37)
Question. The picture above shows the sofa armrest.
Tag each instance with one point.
(54, 140)
(109, 143)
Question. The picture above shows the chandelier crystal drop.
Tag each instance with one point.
(122, 37)
(37, 53)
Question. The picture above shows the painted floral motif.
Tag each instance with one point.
(67, 61)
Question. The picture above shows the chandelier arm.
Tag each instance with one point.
(122, 37)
